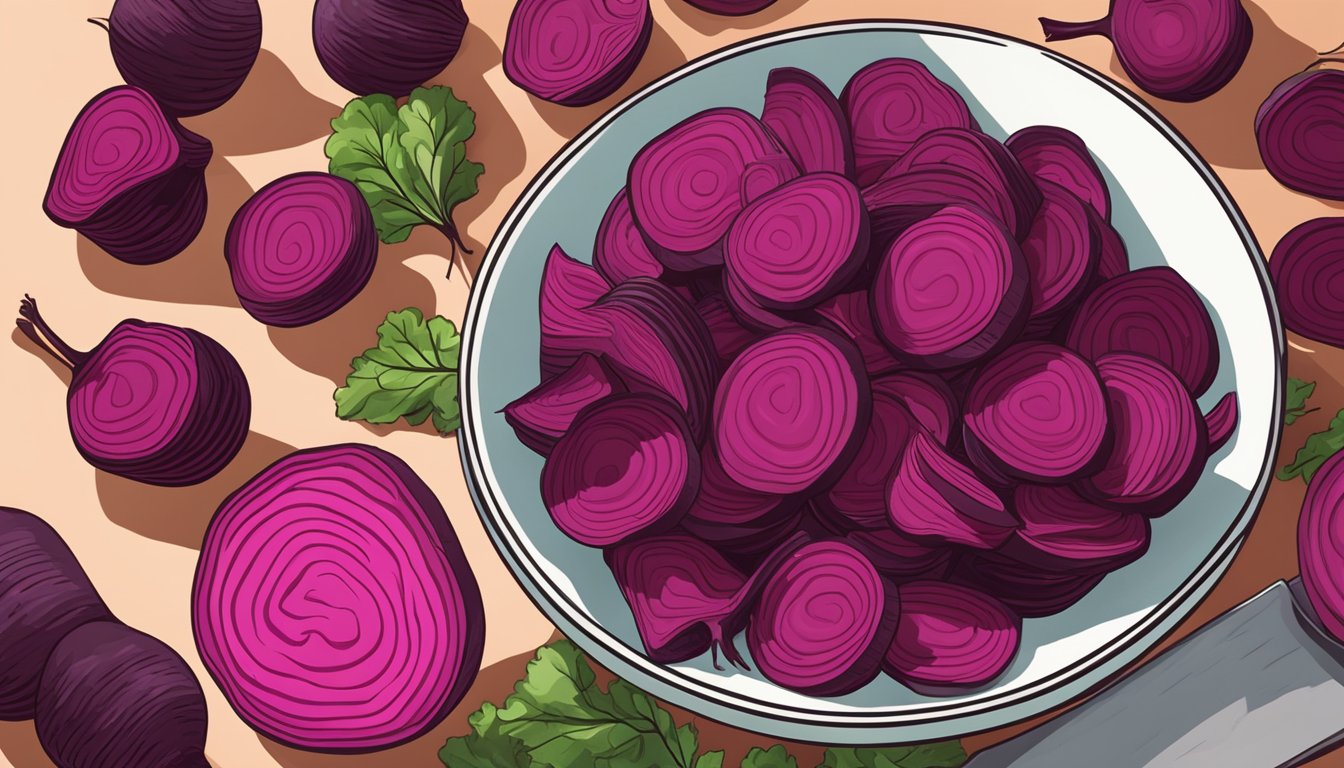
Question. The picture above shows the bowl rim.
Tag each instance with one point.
(935, 720)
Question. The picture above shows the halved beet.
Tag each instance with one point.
(983, 157)
(799, 244)
(807, 119)
(130, 179)
(569, 328)
(1113, 260)
(686, 184)
(950, 636)
(1160, 440)
(1300, 132)
(1319, 545)
(890, 104)
(896, 203)
(1062, 250)
(899, 557)
(1221, 422)
(722, 501)
(1059, 156)
(791, 411)
(575, 52)
(1309, 280)
(852, 314)
(728, 335)
(620, 252)
(928, 398)
(1062, 531)
(766, 174)
(731, 7)
(1026, 589)
(933, 496)
(301, 248)
(1039, 411)
(657, 343)
(540, 417)
(1152, 311)
(627, 466)
(860, 494)
(950, 290)
(823, 621)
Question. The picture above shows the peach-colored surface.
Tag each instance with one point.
(139, 543)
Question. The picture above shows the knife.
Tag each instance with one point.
(1261, 686)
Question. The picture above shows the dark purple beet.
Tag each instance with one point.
(386, 46)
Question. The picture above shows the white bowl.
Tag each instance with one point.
(1169, 207)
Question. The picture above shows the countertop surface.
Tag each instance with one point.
(139, 543)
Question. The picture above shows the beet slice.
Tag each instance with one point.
(1221, 422)
(1059, 156)
(791, 410)
(1026, 589)
(728, 335)
(799, 244)
(569, 328)
(540, 417)
(620, 252)
(899, 557)
(1319, 545)
(1062, 531)
(1300, 132)
(896, 203)
(627, 466)
(852, 314)
(748, 310)
(928, 398)
(44, 594)
(1160, 442)
(1062, 250)
(1113, 259)
(766, 174)
(950, 636)
(1309, 281)
(685, 185)
(748, 544)
(1039, 411)
(860, 493)
(1152, 311)
(722, 501)
(890, 104)
(808, 121)
(575, 52)
(933, 496)
(950, 290)
(823, 621)
(129, 179)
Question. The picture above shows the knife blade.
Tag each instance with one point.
(1261, 686)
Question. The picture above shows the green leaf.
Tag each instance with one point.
(410, 374)
(710, 760)
(1318, 447)
(410, 163)
(563, 718)
(943, 754)
(1295, 405)
(485, 746)
(774, 757)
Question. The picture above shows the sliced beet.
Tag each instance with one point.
(1152, 311)
(799, 244)
(896, 203)
(890, 104)
(130, 179)
(1059, 156)
(686, 184)
(950, 636)
(860, 494)
(1062, 251)
(748, 544)
(928, 398)
(1300, 132)
(1319, 544)
(1040, 412)
(1026, 589)
(748, 310)
(791, 410)
(1062, 531)
(540, 417)
(722, 501)
(728, 335)
(1160, 441)
(852, 314)
(569, 328)
(950, 290)
(1221, 422)
(899, 557)
(1309, 280)
(627, 466)
(933, 496)
(808, 121)
(575, 52)
(823, 621)
(766, 174)
(620, 252)
(1113, 260)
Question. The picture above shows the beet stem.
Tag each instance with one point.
(449, 231)
(1068, 30)
(31, 323)
(101, 22)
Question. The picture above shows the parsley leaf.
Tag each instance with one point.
(1295, 405)
(774, 757)
(411, 374)
(942, 754)
(1318, 447)
(485, 746)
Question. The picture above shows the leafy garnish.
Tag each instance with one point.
(411, 374)
(558, 717)
(410, 163)
(1314, 452)
(1295, 405)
